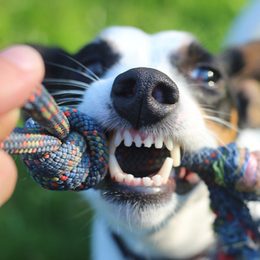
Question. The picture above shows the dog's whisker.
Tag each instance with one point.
(95, 77)
(69, 101)
(82, 213)
(197, 85)
(128, 215)
(67, 82)
(206, 106)
(70, 69)
(70, 92)
(220, 141)
(209, 110)
(221, 122)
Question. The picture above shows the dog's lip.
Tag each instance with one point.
(119, 192)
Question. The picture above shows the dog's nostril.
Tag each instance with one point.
(165, 94)
(125, 88)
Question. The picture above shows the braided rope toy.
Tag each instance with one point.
(63, 149)
(66, 150)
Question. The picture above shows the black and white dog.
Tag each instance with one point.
(157, 96)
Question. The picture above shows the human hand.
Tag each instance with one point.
(21, 70)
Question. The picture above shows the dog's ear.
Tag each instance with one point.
(63, 75)
(242, 67)
(53, 58)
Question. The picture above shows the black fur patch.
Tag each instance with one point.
(52, 55)
(98, 57)
(87, 65)
(198, 54)
(60, 69)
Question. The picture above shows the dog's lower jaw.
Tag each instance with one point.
(184, 235)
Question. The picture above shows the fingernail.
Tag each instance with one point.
(23, 57)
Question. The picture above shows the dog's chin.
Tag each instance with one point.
(140, 209)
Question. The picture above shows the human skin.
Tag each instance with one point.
(21, 70)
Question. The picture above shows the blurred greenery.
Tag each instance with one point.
(38, 224)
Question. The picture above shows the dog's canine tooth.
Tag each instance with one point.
(168, 143)
(147, 181)
(112, 147)
(158, 143)
(127, 138)
(118, 139)
(176, 155)
(119, 177)
(114, 167)
(148, 141)
(165, 170)
(138, 141)
(157, 180)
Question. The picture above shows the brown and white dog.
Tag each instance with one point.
(156, 96)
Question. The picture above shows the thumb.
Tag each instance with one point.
(21, 69)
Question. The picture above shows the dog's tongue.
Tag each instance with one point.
(141, 162)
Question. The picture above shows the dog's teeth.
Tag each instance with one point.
(128, 179)
(118, 139)
(176, 155)
(147, 181)
(148, 141)
(138, 141)
(158, 143)
(165, 170)
(137, 181)
(115, 169)
(168, 143)
(119, 177)
(127, 138)
(157, 180)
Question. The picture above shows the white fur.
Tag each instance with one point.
(185, 235)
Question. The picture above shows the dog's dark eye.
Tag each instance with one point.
(206, 76)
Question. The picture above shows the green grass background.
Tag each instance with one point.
(37, 224)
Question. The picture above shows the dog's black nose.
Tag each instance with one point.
(144, 96)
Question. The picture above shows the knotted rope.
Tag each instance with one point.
(63, 148)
